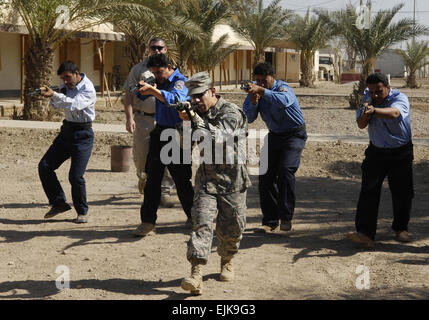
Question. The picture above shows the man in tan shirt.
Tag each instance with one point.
(140, 121)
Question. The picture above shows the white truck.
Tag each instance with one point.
(326, 65)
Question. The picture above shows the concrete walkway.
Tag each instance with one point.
(97, 127)
(120, 128)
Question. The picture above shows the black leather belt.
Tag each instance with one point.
(406, 146)
(290, 131)
(77, 125)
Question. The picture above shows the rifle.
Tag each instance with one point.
(365, 105)
(183, 106)
(245, 86)
(150, 80)
(38, 91)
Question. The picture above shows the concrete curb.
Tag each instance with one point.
(120, 128)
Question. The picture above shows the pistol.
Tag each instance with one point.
(245, 86)
(38, 91)
(365, 105)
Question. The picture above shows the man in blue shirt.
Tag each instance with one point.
(140, 116)
(74, 141)
(169, 88)
(280, 110)
(386, 113)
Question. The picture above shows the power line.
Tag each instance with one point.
(316, 5)
(332, 9)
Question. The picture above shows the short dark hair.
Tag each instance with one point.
(263, 69)
(377, 77)
(156, 39)
(67, 66)
(159, 60)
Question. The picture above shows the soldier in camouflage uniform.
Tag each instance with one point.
(218, 186)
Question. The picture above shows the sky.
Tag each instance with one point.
(422, 7)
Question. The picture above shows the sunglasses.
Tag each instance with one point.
(154, 48)
(199, 95)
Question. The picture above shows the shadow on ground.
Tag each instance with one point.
(113, 200)
(44, 289)
(88, 235)
(332, 204)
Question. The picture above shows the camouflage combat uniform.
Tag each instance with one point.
(219, 187)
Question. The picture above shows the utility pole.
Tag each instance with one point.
(369, 4)
(414, 18)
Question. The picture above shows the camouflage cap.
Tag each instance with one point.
(198, 83)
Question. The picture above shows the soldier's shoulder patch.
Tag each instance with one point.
(179, 85)
(230, 123)
(283, 89)
(230, 120)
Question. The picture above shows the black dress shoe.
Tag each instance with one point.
(286, 225)
(56, 209)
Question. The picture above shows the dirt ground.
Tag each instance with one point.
(106, 262)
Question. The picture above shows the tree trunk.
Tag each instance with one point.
(259, 57)
(137, 50)
(338, 65)
(184, 53)
(412, 80)
(307, 66)
(352, 58)
(38, 72)
(367, 69)
(183, 67)
(357, 94)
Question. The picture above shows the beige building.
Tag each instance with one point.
(239, 65)
(86, 47)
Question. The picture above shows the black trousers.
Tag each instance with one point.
(181, 174)
(396, 164)
(277, 185)
(73, 142)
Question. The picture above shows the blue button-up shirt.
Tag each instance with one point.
(279, 108)
(172, 90)
(78, 104)
(390, 133)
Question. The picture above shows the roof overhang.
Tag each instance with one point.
(100, 32)
(279, 45)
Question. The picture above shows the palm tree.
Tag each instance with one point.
(41, 21)
(139, 27)
(209, 54)
(206, 14)
(414, 58)
(309, 34)
(370, 43)
(260, 26)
